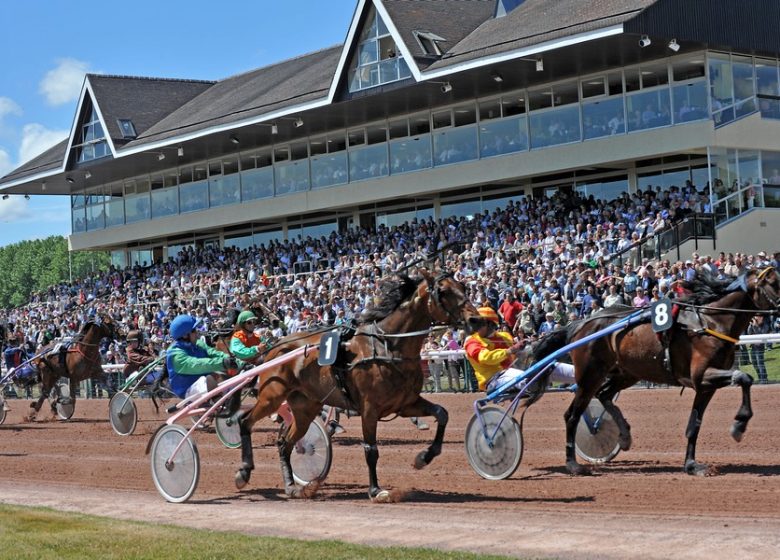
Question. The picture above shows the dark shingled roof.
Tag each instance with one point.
(288, 83)
(537, 21)
(47, 161)
(145, 101)
(451, 20)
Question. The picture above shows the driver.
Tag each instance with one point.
(191, 361)
(491, 353)
(245, 344)
(138, 357)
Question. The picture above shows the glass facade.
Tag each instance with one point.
(629, 100)
(377, 60)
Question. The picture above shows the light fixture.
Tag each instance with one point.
(235, 139)
(5, 197)
(87, 175)
(446, 87)
(43, 185)
(674, 45)
(498, 78)
(274, 129)
(644, 41)
(540, 65)
(180, 151)
(298, 122)
(70, 180)
(27, 197)
(160, 156)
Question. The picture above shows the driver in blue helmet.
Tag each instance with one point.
(191, 361)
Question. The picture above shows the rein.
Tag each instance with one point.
(713, 310)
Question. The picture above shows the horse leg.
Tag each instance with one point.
(304, 411)
(588, 385)
(700, 402)
(423, 407)
(605, 396)
(369, 421)
(745, 412)
(268, 400)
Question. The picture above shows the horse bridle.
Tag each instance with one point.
(774, 301)
(435, 297)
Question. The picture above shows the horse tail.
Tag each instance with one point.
(555, 340)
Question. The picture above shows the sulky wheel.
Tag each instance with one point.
(500, 459)
(228, 434)
(3, 411)
(311, 457)
(123, 414)
(597, 435)
(175, 480)
(65, 403)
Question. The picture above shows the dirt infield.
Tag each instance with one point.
(641, 505)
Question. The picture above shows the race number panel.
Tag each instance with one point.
(661, 315)
(329, 348)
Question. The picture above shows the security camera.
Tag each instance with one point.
(644, 41)
(446, 87)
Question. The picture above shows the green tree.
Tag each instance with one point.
(32, 266)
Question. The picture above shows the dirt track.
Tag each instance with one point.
(641, 505)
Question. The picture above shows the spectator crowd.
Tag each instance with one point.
(540, 262)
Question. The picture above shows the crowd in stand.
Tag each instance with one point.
(540, 263)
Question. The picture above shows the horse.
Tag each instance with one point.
(377, 373)
(697, 352)
(81, 360)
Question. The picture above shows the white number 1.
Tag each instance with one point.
(328, 347)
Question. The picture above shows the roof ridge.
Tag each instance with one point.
(151, 78)
(285, 61)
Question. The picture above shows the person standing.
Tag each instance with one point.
(759, 325)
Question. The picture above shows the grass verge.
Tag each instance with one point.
(43, 534)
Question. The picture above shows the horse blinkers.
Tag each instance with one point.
(436, 297)
(768, 278)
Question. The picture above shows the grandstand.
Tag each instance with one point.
(448, 110)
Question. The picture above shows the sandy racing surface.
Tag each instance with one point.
(640, 506)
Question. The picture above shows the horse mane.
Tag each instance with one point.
(706, 288)
(392, 293)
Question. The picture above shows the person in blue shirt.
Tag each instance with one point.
(191, 362)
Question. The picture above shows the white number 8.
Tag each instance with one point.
(661, 314)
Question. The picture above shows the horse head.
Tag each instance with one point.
(105, 326)
(764, 288)
(447, 301)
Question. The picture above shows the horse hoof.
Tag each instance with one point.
(242, 479)
(419, 461)
(696, 469)
(383, 497)
(625, 442)
(737, 431)
(310, 490)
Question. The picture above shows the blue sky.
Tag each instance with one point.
(47, 46)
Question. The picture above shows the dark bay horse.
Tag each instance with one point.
(81, 360)
(379, 369)
(701, 342)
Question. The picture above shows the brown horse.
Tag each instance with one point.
(79, 362)
(701, 348)
(377, 373)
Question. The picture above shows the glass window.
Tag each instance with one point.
(565, 94)
(419, 124)
(540, 99)
(368, 162)
(771, 167)
(744, 86)
(559, 126)
(137, 207)
(398, 129)
(115, 205)
(165, 202)
(465, 208)
(265, 237)
(239, 241)
(465, 115)
(194, 196)
(633, 79)
(504, 136)
(654, 75)
(603, 118)
(377, 59)
(490, 109)
(315, 231)
(606, 189)
(293, 176)
(766, 77)
(688, 68)
(515, 105)
(690, 101)
(455, 145)
(442, 119)
(257, 176)
(79, 220)
(593, 87)
(748, 168)
(410, 154)
(329, 169)
(648, 110)
(721, 87)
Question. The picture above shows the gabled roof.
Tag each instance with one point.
(49, 160)
(538, 21)
(452, 20)
(285, 84)
(145, 101)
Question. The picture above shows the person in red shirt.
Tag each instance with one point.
(510, 310)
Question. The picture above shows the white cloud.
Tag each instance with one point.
(63, 84)
(5, 162)
(36, 139)
(9, 107)
(13, 209)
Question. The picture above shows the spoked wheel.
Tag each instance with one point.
(123, 414)
(3, 411)
(597, 435)
(175, 480)
(65, 404)
(497, 460)
(229, 435)
(311, 457)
